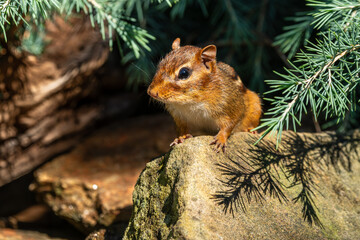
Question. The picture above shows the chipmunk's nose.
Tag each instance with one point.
(152, 92)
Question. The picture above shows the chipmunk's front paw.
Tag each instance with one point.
(180, 139)
(220, 143)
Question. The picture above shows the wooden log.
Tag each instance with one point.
(40, 115)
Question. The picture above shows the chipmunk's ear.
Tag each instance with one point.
(176, 44)
(208, 54)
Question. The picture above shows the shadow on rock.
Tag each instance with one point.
(253, 174)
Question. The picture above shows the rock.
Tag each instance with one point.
(35, 214)
(114, 232)
(91, 186)
(97, 235)
(11, 234)
(191, 192)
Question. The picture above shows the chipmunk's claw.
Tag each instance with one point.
(219, 145)
(180, 139)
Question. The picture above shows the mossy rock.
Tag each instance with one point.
(178, 195)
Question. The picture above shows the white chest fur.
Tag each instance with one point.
(196, 116)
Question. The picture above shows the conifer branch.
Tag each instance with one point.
(327, 78)
(312, 78)
(4, 5)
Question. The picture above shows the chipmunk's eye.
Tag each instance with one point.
(184, 73)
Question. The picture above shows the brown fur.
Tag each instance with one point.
(212, 100)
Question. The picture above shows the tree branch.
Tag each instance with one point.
(312, 78)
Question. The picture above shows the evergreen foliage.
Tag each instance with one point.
(242, 30)
(325, 75)
(110, 15)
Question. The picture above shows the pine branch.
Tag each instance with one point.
(332, 11)
(276, 125)
(113, 15)
(325, 80)
(295, 35)
(310, 80)
(110, 16)
(4, 5)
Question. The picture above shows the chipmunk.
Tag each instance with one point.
(203, 95)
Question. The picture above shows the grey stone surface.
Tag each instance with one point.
(178, 195)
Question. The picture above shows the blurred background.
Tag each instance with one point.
(76, 124)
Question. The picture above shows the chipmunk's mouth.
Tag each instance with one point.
(161, 99)
(155, 95)
(164, 98)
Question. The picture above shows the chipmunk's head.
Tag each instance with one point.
(183, 74)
